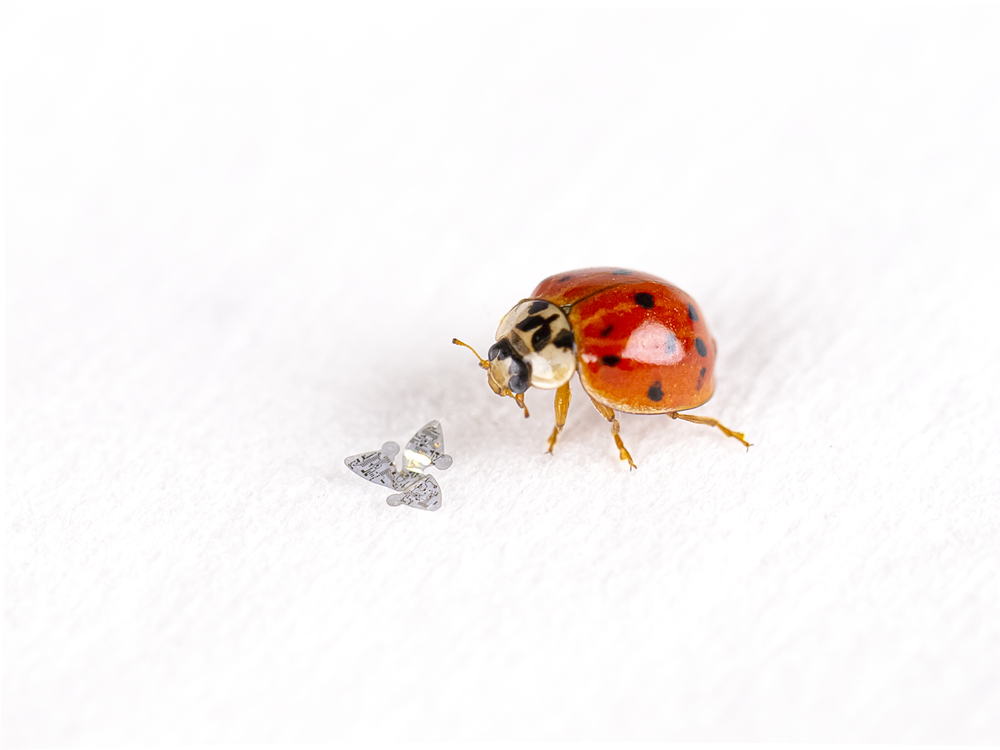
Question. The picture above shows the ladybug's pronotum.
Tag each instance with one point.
(639, 344)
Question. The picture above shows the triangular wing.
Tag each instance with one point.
(377, 466)
(424, 494)
(426, 448)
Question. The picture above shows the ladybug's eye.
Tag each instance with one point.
(500, 350)
(519, 376)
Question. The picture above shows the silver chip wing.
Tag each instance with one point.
(425, 449)
(377, 466)
(425, 494)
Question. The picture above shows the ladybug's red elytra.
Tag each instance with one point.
(639, 344)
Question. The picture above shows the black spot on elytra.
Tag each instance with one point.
(621, 272)
(564, 339)
(564, 278)
(644, 299)
(607, 332)
(692, 313)
(701, 379)
(655, 392)
(611, 360)
(700, 346)
(538, 305)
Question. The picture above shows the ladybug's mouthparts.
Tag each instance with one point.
(517, 366)
(516, 372)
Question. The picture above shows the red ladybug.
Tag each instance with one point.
(639, 344)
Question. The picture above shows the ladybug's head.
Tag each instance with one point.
(535, 347)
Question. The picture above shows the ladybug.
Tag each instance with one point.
(639, 344)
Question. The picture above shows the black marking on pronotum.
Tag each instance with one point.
(541, 337)
(700, 346)
(621, 272)
(655, 392)
(500, 350)
(544, 325)
(692, 313)
(607, 332)
(611, 360)
(564, 278)
(644, 299)
(564, 339)
(701, 379)
(670, 343)
(532, 321)
(537, 306)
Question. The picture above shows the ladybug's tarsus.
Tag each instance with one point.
(711, 423)
(609, 414)
(563, 397)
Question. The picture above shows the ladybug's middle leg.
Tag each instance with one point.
(563, 397)
(609, 414)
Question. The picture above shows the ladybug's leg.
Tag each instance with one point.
(711, 423)
(563, 397)
(609, 414)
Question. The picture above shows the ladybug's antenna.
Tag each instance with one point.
(518, 397)
(482, 362)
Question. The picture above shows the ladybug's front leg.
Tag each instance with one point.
(563, 397)
(609, 414)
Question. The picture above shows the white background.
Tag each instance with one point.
(240, 239)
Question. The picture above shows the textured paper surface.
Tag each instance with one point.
(238, 248)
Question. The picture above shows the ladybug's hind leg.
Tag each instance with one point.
(563, 397)
(711, 423)
(609, 414)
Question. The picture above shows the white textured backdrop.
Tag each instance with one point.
(239, 241)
